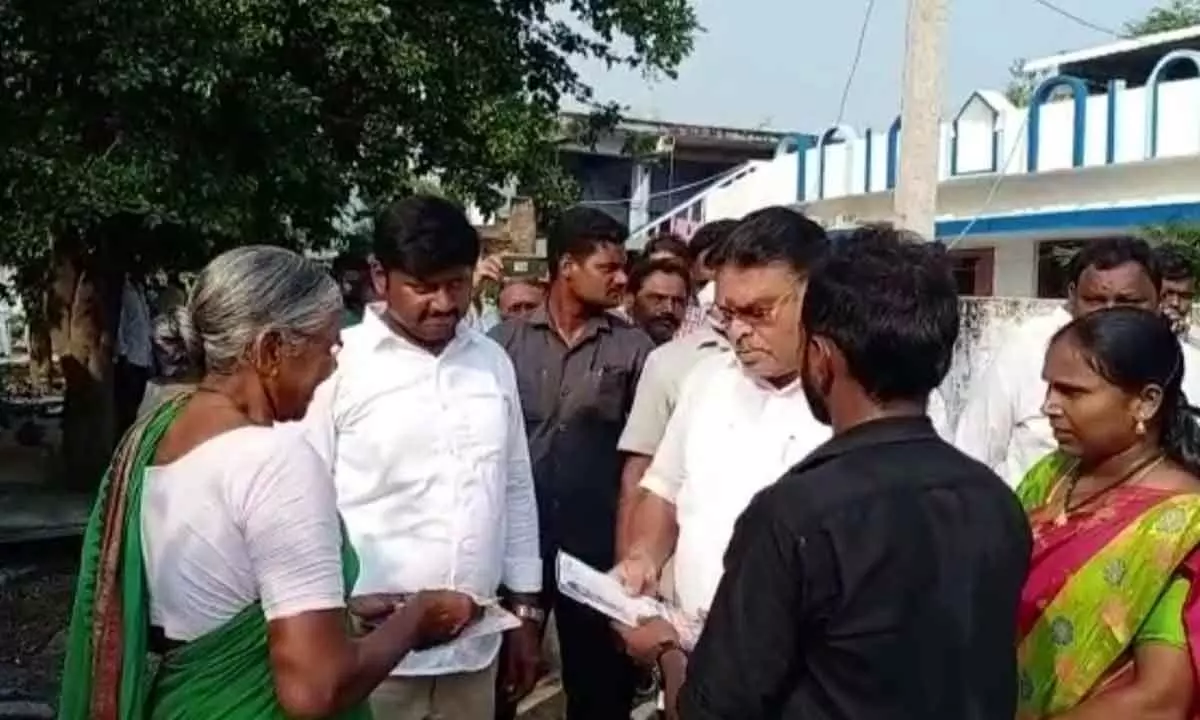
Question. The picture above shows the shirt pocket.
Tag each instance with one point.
(608, 390)
(480, 425)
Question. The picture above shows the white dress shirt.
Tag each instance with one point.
(432, 471)
(1002, 424)
(659, 386)
(729, 437)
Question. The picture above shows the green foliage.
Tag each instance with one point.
(195, 124)
(1021, 84)
(1173, 15)
(1183, 236)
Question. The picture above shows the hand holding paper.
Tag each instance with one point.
(603, 593)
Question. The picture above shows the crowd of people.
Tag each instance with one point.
(341, 481)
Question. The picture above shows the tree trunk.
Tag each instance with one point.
(83, 301)
(41, 352)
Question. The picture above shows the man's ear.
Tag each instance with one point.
(379, 280)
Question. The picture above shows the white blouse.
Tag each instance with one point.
(248, 515)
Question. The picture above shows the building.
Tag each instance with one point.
(640, 169)
(1109, 144)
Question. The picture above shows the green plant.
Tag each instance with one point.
(1182, 235)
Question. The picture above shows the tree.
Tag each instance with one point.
(1174, 15)
(1184, 236)
(1021, 84)
(154, 133)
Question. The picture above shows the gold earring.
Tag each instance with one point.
(1140, 427)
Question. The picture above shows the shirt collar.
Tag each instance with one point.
(377, 333)
(884, 431)
(596, 324)
(735, 365)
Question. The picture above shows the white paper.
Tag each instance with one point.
(603, 593)
(495, 620)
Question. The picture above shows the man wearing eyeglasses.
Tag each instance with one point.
(742, 419)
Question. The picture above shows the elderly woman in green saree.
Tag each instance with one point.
(215, 542)
(1109, 621)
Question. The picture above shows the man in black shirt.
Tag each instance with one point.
(879, 578)
(577, 365)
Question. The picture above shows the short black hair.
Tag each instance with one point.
(709, 236)
(1174, 262)
(1111, 252)
(422, 235)
(579, 231)
(772, 235)
(667, 242)
(645, 268)
(889, 302)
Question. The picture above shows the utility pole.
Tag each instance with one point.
(920, 122)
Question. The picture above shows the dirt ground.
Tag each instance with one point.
(37, 584)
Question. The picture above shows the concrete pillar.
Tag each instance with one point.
(920, 124)
(639, 190)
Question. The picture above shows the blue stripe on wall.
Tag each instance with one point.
(1116, 217)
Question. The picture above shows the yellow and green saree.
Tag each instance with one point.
(1111, 575)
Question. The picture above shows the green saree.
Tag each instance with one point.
(1105, 578)
(109, 673)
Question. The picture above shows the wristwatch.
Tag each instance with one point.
(528, 613)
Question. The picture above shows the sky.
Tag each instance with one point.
(783, 64)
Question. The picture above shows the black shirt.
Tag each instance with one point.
(876, 580)
(575, 401)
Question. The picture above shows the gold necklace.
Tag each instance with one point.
(1136, 473)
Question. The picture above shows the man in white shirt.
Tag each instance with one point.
(742, 419)
(653, 403)
(1002, 424)
(1178, 288)
(700, 248)
(423, 428)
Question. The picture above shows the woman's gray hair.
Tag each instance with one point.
(240, 296)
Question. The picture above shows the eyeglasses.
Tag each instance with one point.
(754, 317)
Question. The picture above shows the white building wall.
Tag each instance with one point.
(848, 176)
(1015, 265)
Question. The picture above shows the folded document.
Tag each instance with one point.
(605, 594)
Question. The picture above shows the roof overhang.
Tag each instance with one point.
(1131, 59)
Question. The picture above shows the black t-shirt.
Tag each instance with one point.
(877, 580)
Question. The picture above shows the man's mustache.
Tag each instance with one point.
(452, 315)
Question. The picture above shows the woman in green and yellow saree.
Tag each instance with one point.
(1110, 619)
(215, 541)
